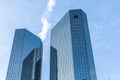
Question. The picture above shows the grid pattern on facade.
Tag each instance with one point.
(27, 67)
(24, 42)
(70, 37)
(53, 64)
(31, 68)
(80, 55)
(61, 41)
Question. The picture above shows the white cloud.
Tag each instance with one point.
(44, 19)
(45, 28)
(50, 5)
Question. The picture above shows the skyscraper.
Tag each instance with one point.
(24, 42)
(71, 56)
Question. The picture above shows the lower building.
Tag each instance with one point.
(24, 42)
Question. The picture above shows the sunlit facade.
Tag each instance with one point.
(73, 53)
(24, 42)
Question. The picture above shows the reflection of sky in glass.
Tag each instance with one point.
(24, 42)
(103, 18)
(82, 52)
(70, 37)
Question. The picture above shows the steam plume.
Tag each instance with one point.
(45, 19)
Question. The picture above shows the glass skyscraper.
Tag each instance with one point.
(71, 56)
(24, 42)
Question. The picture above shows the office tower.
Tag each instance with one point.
(24, 42)
(71, 56)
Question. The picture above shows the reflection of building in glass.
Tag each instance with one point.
(31, 68)
(24, 42)
(71, 51)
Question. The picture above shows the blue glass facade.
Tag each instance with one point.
(61, 41)
(31, 68)
(24, 42)
(70, 37)
(27, 67)
(53, 64)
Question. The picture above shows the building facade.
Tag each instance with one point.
(53, 63)
(31, 68)
(71, 41)
(24, 42)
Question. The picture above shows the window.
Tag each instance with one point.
(76, 17)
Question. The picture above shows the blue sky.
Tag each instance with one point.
(104, 25)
